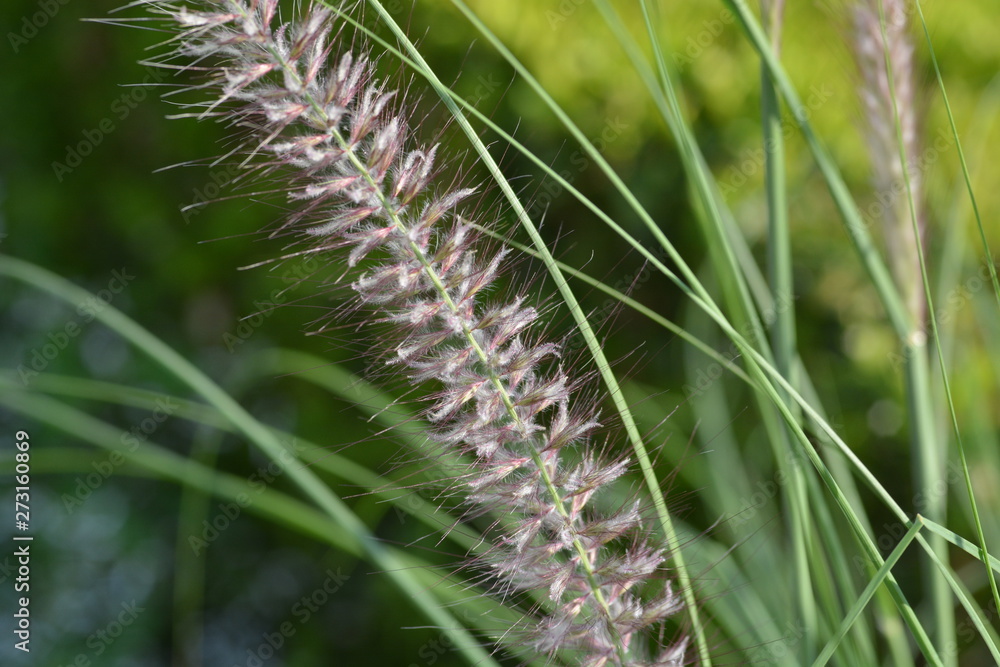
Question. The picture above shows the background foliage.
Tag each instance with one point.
(127, 540)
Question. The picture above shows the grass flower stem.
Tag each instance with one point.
(930, 462)
(593, 344)
(779, 264)
(885, 57)
(981, 536)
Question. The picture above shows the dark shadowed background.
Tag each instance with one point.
(128, 569)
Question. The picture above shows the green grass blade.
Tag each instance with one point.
(255, 432)
(318, 457)
(866, 595)
(965, 545)
(976, 615)
(934, 325)
(961, 153)
(779, 249)
(160, 463)
(856, 227)
(189, 569)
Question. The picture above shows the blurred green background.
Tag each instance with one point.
(84, 193)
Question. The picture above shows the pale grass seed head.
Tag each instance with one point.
(503, 400)
(885, 61)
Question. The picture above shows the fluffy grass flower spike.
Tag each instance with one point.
(884, 56)
(503, 400)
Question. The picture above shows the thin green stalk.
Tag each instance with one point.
(189, 569)
(779, 246)
(854, 224)
(779, 255)
(961, 153)
(929, 479)
(933, 319)
(283, 362)
(859, 605)
(929, 455)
